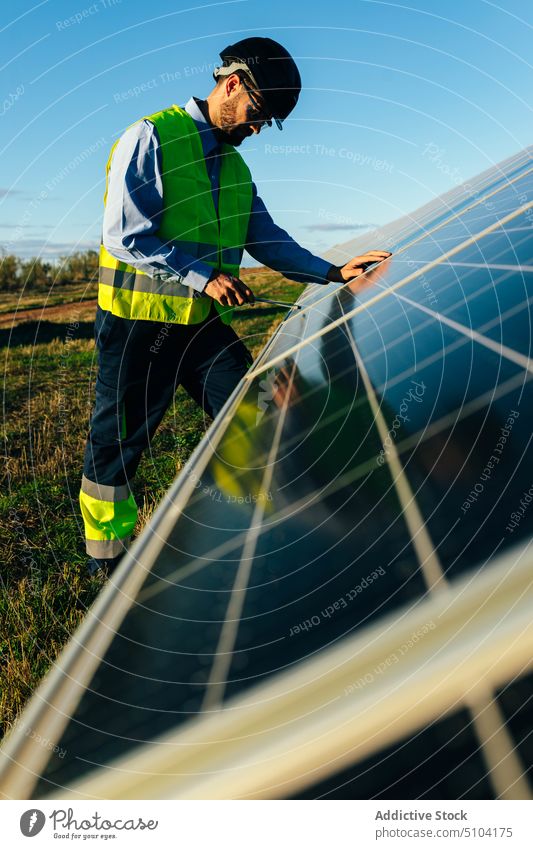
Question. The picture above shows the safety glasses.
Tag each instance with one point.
(259, 112)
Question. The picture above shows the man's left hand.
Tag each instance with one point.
(356, 266)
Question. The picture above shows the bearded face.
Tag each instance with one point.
(234, 121)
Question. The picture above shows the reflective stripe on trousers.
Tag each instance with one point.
(109, 516)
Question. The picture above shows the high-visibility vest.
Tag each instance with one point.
(190, 221)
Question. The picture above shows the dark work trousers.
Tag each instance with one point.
(140, 365)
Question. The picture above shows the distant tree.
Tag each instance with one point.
(78, 267)
(9, 273)
(36, 275)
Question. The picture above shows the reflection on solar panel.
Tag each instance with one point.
(334, 598)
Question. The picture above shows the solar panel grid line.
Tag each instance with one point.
(523, 241)
(342, 320)
(353, 475)
(413, 262)
(398, 475)
(517, 229)
(225, 647)
(500, 349)
(453, 417)
(467, 299)
(427, 556)
(495, 266)
(430, 232)
(434, 357)
(377, 284)
(466, 631)
(470, 407)
(461, 341)
(507, 772)
(407, 334)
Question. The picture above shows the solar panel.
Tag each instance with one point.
(370, 471)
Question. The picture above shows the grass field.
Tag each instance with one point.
(49, 369)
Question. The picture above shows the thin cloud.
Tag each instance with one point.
(331, 227)
(5, 226)
(33, 247)
(5, 192)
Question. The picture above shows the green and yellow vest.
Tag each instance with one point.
(190, 221)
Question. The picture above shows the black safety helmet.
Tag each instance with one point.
(271, 70)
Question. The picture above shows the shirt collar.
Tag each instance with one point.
(209, 142)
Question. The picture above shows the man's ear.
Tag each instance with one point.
(232, 84)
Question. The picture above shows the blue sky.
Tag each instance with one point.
(400, 103)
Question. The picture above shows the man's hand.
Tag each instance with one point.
(356, 266)
(228, 290)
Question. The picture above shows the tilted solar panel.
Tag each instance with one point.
(371, 474)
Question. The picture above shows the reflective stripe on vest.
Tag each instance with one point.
(189, 220)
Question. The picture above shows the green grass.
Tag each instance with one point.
(48, 373)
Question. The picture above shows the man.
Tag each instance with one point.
(180, 207)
